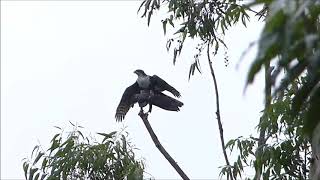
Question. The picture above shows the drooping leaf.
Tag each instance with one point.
(25, 169)
(175, 52)
(37, 158)
(164, 26)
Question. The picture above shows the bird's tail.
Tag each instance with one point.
(166, 102)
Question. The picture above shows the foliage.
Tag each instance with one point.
(286, 152)
(74, 156)
(291, 39)
(205, 20)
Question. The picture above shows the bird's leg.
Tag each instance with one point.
(142, 114)
(150, 107)
(151, 94)
(141, 110)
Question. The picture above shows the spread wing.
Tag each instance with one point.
(165, 102)
(127, 101)
(161, 85)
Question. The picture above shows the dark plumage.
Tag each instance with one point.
(165, 102)
(127, 101)
(158, 84)
(147, 90)
(154, 83)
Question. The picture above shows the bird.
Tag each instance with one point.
(154, 83)
(147, 90)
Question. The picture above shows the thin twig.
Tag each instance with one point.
(154, 138)
(218, 111)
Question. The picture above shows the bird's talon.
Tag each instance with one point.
(141, 112)
(143, 115)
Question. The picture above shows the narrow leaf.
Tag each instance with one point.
(38, 157)
(174, 56)
(164, 26)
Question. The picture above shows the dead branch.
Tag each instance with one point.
(144, 117)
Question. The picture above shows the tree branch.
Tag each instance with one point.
(218, 111)
(154, 138)
(262, 134)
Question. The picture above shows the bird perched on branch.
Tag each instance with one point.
(147, 90)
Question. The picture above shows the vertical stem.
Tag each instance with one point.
(262, 138)
(218, 111)
(154, 138)
(305, 161)
(315, 146)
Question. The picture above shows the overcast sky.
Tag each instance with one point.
(71, 61)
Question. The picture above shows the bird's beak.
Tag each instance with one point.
(135, 72)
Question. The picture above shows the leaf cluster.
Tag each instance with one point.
(290, 38)
(79, 157)
(286, 152)
(205, 20)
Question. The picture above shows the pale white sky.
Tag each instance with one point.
(71, 61)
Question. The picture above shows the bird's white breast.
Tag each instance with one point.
(143, 81)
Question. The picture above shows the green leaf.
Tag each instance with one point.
(109, 135)
(71, 123)
(34, 149)
(191, 71)
(197, 64)
(80, 134)
(146, 7)
(38, 157)
(55, 145)
(44, 163)
(175, 51)
(171, 20)
(164, 26)
(240, 165)
(266, 175)
(54, 137)
(295, 71)
(141, 5)
(277, 169)
(149, 17)
(32, 171)
(230, 142)
(313, 114)
(58, 127)
(43, 176)
(25, 169)
(269, 48)
(243, 19)
(37, 176)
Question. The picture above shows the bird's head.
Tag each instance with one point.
(140, 72)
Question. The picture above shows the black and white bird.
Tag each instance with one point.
(148, 90)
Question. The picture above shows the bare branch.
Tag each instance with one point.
(218, 110)
(154, 138)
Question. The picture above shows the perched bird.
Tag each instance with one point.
(147, 90)
(154, 83)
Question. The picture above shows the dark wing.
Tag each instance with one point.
(127, 101)
(161, 85)
(165, 102)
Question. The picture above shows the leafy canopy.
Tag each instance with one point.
(74, 156)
